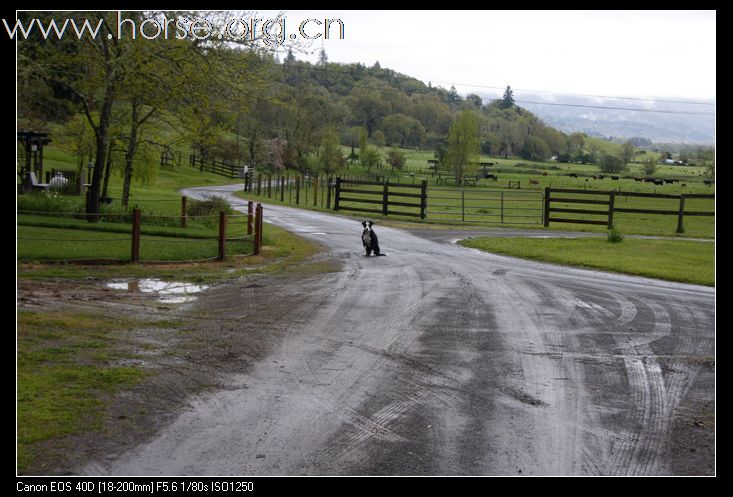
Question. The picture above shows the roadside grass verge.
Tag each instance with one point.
(54, 244)
(674, 260)
(281, 250)
(68, 364)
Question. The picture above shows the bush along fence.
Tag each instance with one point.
(67, 237)
(606, 203)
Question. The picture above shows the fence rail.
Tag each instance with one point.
(485, 206)
(216, 167)
(254, 232)
(610, 201)
(381, 195)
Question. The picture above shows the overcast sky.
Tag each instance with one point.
(617, 53)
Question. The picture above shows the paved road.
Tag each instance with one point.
(439, 359)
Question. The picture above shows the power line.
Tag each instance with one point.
(619, 108)
(394, 75)
(689, 102)
(661, 111)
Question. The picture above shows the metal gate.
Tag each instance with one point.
(485, 206)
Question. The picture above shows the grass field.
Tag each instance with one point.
(514, 207)
(67, 364)
(675, 260)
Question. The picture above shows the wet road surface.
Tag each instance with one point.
(439, 359)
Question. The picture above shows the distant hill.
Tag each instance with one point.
(659, 127)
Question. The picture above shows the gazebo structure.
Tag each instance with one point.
(30, 155)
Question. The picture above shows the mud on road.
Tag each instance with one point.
(436, 359)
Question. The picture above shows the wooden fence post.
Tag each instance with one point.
(315, 191)
(269, 186)
(463, 205)
(184, 211)
(282, 188)
(328, 193)
(250, 220)
(611, 202)
(222, 235)
(385, 198)
(547, 207)
(680, 215)
(297, 190)
(135, 255)
(423, 198)
(258, 229)
(502, 207)
(337, 194)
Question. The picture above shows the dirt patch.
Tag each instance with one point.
(692, 435)
(196, 347)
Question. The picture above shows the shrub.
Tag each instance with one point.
(612, 164)
(207, 207)
(371, 158)
(49, 202)
(615, 236)
(396, 159)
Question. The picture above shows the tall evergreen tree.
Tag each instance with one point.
(453, 95)
(507, 101)
(289, 57)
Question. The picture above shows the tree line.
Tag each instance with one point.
(121, 102)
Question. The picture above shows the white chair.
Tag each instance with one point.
(35, 184)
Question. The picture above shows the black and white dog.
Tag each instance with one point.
(369, 238)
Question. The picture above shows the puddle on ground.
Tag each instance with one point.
(168, 292)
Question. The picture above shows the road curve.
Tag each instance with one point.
(439, 359)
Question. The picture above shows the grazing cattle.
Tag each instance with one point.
(573, 175)
(658, 182)
(544, 174)
(708, 182)
(600, 176)
(638, 179)
(534, 182)
(684, 185)
(615, 178)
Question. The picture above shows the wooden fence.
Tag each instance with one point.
(253, 237)
(296, 189)
(386, 195)
(216, 167)
(607, 200)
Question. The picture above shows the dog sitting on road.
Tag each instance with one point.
(369, 239)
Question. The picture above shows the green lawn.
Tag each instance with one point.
(675, 260)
